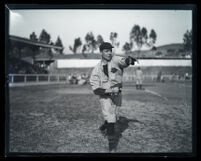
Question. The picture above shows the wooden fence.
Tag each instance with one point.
(28, 79)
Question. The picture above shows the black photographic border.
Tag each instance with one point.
(188, 6)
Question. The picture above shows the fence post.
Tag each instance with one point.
(66, 78)
(25, 78)
(12, 78)
(37, 78)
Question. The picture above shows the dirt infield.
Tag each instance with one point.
(65, 119)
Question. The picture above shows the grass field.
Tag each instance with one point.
(65, 119)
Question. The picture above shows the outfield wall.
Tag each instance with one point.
(90, 63)
(149, 66)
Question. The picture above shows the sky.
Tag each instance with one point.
(68, 24)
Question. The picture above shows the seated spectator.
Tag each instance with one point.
(82, 80)
(187, 77)
(173, 77)
(73, 79)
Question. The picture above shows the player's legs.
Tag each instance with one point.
(108, 109)
(117, 101)
(137, 83)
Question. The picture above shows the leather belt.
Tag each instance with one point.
(113, 94)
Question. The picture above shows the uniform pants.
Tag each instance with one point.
(110, 107)
(139, 81)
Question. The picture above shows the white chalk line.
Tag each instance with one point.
(155, 93)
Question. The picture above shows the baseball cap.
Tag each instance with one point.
(105, 45)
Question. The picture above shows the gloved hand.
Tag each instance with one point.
(131, 60)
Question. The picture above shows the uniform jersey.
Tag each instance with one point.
(99, 79)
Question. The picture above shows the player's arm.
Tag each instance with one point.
(124, 62)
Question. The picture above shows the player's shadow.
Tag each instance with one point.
(121, 125)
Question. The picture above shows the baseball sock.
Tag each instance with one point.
(110, 129)
(103, 126)
(111, 136)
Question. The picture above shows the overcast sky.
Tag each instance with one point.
(170, 25)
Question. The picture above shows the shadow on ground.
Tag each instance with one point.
(121, 125)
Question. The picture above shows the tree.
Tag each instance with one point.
(91, 43)
(126, 47)
(134, 35)
(138, 37)
(113, 39)
(44, 37)
(34, 49)
(99, 40)
(187, 41)
(33, 36)
(154, 48)
(77, 44)
(59, 43)
(152, 38)
(84, 48)
(51, 43)
(144, 35)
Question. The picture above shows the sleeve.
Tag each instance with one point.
(121, 61)
(95, 83)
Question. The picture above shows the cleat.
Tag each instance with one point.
(112, 151)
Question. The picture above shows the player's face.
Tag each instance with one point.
(107, 54)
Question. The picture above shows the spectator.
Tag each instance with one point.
(74, 79)
(159, 76)
(173, 77)
(187, 77)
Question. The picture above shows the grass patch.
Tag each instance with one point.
(65, 118)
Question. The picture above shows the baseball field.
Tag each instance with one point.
(65, 119)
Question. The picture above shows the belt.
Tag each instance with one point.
(113, 94)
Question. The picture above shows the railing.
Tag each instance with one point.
(37, 78)
(27, 79)
(153, 78)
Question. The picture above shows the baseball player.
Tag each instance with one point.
(139, 78)
(106, 82)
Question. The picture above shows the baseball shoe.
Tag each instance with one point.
(112, 145)
(112, 150)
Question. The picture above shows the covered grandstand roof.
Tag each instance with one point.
(31, 42)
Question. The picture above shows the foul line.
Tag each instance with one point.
(155, 93)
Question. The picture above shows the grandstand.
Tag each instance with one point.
(22, 67)
(22, 56)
